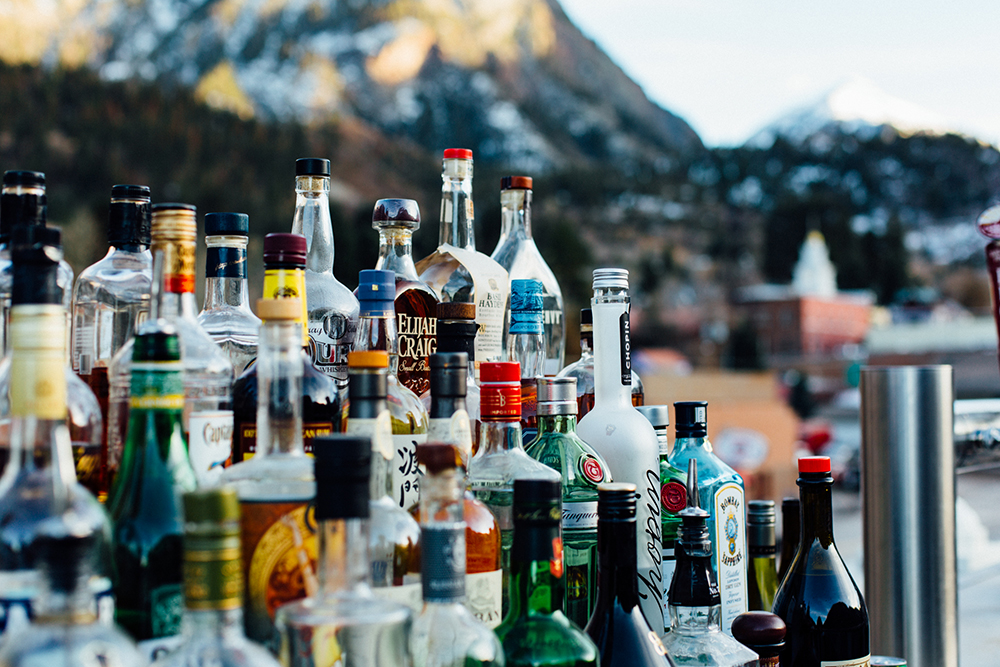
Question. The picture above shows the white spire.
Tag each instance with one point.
(814, 273)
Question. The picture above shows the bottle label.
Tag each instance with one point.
(213, 578)
(492, 292)
(674, 496)
(310, 431)
(37, 384)
(730, 557)
(484, 596)
(178, 265)
(166, 610)
(579, 516)
(157, 385)
(223, 262)
(407, 594)
(443, 562)
(667, 566)
(379, 430)
(405, 471)
(649, 545)
(592, 470)
(500, 401)
(456, 430)
(288, 284)
(417, 342)
(626, 349)
(854, 662)
(773, 661)
(210, 444)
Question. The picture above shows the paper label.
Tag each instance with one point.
(456, 430)
(579, 516)
(248, 437)
(855, 662)
(210, 444)
(492, 286)
(331, 335)
(288, 284)
(442, 550)
(484, 596)
(405, 471)
(730, 557)
(379, 430)
(225, 262)
(407, 594)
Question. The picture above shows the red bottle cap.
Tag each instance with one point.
(499, 371)
(457, 154)
(814, 464)
(515, 183)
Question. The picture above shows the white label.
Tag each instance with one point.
(492, 285)
(667, 566)
(405, 471)
(378, 429)
(854, 662)
(484, 596)
(457, 430)
(409, 594)
(210, 443)
(730, 558)
(159, 647)
(578, 516)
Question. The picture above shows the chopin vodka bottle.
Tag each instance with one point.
(456, 332)
(416, 303)
(621, 435)
(526, 346)
(762, 575)
(333, 310)
(456, 271)
(516, 251)
(226, 315)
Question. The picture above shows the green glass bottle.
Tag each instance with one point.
(535, 631)
(762, 574)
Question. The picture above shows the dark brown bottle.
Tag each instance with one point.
(763, 633)
(789, 534)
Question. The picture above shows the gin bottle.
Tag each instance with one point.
(526, 345)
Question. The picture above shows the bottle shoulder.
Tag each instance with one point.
(386, 514)
(119, 276)
(617, 423)
(712, 470)
(325, 293)
(580, 465)
(504, 466)
(624, 637)
(522, 260)
(543, 639)
(711, 648)
(448, 634)
(817, 582)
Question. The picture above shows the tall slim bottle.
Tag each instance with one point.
(333, 310)
(789, 535)
(456, 332)
(526, 346)
(621, 435)
(762, 574)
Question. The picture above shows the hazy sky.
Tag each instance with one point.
(730, 67)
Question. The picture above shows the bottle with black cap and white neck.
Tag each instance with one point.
(226, 314)
(343, 623)
(333, 310)
(456, 332)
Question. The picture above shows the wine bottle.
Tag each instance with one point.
(789, 535)
(762, 574)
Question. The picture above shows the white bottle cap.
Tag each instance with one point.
(610, 278)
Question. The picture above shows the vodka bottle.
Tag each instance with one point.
(526, 345)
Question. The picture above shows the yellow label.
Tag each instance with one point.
(37, 376)
(170, 402)
(288, 284)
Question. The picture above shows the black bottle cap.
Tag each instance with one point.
(366, 388)
(161, 344)
(24, 178)
(457, 328)
(616, 502)
(22, 209)
(288, 249)
(586, 316)
(448, 373)
(130, 217)
(691, 419)
(227, 224)
(312, 166)
(35, 253)
(342, 467)
(125, 191)
(760, 631)
(537, 501)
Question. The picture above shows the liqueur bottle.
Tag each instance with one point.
(208, 373)
(415, 303)
(763, 633)
(789, 535)
(582, 469)
(213, 587)
(516, 251)
(818, 600)
(535, 631)
(722, 489)
(377, 331)
(342, 623)
(622, 634)
(276, 486)
(622, 436)
(583, 369)
(501, 457)
(445, 633)
(456, 271)
(456, 332)
(333, 310)
(322, 412)
(526, 345)
(762, 575)
(226, 314)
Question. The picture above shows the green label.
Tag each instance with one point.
(157, 385)
(167, 610)
(213, 579)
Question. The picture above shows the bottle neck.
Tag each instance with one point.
(499, 435)
(378, 332)
(344, 568)
(515, 215)
(612, 348)
(617, 569)
(209, 623)
(537, 585)
(816, 511)
(528, 349)
(312, 220)
(682, 442)
(395, 252)
(565, 424)
(225, 273)
(443, 407)
(279, 389)
(457, 213)
(173, 282)
(288, 281)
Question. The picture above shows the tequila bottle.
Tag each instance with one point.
(526, 345)
(456, 332)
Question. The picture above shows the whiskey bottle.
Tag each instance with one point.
(526, 345)
(456, 332)
(762, 573)
(516, 251)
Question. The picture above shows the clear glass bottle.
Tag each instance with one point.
(333, 310)
(226, 314)
(445, 633)
(416, 303)
(762, 574)
(343, 623)
(526, 346)
(208, 373)
(377, 331)
(516, 251)
(456, 271)
(276, 485)
(456, 332)
(582, 469)
(621, 435)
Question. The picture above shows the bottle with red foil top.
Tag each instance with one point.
(989, 226)
(526, 345)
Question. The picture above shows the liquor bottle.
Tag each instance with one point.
(722, 488)
(456, 271)
(583, 369)
(535, 631)
(449, 423)
(501, 457)
(213, 586)
(762, 575)
(226, 314)
(618, 627)
(789, 535)
(377, 331)
(276, 485)
(333, 310)
(516, 251)
(818, 600)
(622, 436)
(763, 633)
(394, 535)
(342, 623)
(208, 373)
(526, 345)
(456, 332)
(582, 469)
(445, 633)
(695, 636)
(322, 404)
(66, 629)
(415, 303)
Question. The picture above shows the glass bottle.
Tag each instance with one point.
(322, 404)
(722, 488)
(416, 303)
(526, 345)
(622, 634)
(501, 457)
(535, 631)
(208, 373)
(445, 633)
(377, 331)
(213, 587)
(762, 575)
(226, 314)
(763, 633)
(276, 485)
(582, 469)
(623, 437)
(583, 369)
(333, 310)
(818, 600)
(343, 623)
(456, 271)
(789, 534)
(516, 251)
(456, 332)
(394, 535)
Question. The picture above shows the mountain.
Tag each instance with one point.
(513, 79)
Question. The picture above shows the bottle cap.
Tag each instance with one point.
(814, 464)
(586, 321)
(285, 249)
(616, 501)
(500, 391)
(538, 501)
(174, 222)
(161, 344)
(24, 178)
(134, 193)
(526, 306)
(279, 310)
(396, 213)
(437, 457)
(456, 310)
(691, 419)
(457, 328)
(129, 217)
(342, 465)
(369, 383)
(448, 373)
(500, 371)
(657, 415)
(515, 183)
(227, 224)
(610, 278)
(989, 222)
(376, 292)
(760, 631)
(22, 201)
(760, 527)
(35, 253)
(215, 505)
(760, 511)
(556, 396)
(457, 154)
(368, 359)
(312, 166)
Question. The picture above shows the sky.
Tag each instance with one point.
(731, 67)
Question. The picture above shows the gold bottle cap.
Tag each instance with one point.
(174, 233)
(368, 359)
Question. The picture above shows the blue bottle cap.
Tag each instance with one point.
(526, 306)
(376, 292)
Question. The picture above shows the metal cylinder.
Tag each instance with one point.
(908, 486)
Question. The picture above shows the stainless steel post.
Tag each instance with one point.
(908, 486)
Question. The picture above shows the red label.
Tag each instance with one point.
(674, 496)
(592, 470)
(500, 401)
(179, 283)
(556, 564)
